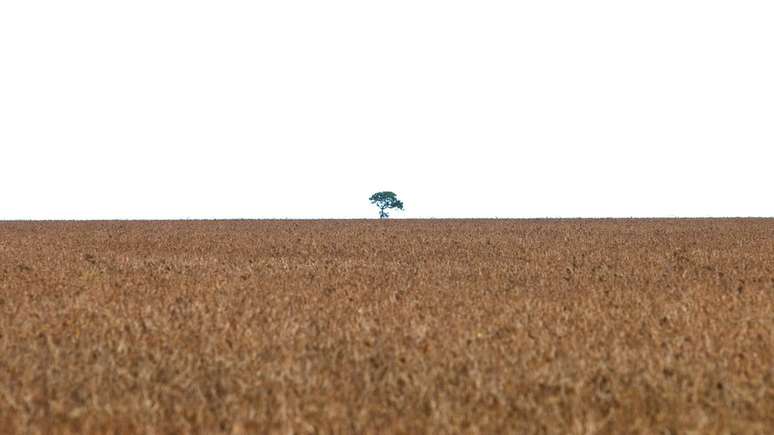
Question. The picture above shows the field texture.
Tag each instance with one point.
(480, 326)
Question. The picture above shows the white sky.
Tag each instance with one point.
(303, 109)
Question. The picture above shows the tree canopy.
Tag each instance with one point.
(384, 201)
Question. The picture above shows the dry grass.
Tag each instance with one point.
(571, 327)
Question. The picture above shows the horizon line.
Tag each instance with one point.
(288, 219)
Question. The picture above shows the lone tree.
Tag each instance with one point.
(385, 200)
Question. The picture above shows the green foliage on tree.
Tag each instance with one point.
(385, 201)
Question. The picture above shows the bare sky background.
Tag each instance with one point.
(303, 109)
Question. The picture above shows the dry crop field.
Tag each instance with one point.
(404, 326)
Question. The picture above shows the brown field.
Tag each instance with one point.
(474, 326)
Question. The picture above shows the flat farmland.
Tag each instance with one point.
(400, 326)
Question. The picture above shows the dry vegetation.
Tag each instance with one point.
(492, 326)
